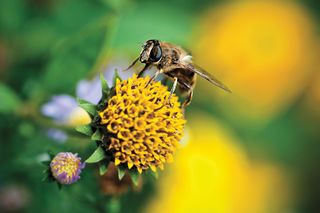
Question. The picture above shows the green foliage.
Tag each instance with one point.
(96, 156)
(97, 135)
(103, 167)
(121, 171)
(104, 85)
(85, 129)
(9, 100)
(134, 174)
(116, 77)
(87, 106)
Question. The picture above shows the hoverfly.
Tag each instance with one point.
(175, 63)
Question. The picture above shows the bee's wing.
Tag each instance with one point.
(209, 77)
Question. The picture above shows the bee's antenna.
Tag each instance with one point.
(133, 63)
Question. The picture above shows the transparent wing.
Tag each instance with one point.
(209, 77)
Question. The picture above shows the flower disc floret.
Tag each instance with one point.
(144, 125)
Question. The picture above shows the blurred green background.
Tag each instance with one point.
(255, 150)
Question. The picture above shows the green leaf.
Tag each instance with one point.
(9, 99)
(96, 156)
(134, 174)
(97, 136)
(121, 171)
(116, 76)
(104, 85)
(87, 106)
(85, 129)
(103, 168)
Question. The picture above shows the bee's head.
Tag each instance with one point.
(151, 52)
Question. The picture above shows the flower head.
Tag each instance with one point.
(66, 167)
(143, 127)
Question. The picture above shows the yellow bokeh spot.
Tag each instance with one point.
(213, 174)
(263, 50)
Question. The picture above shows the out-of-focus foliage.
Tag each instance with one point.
(267, 160)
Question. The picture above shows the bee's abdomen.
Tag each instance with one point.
(186, 78)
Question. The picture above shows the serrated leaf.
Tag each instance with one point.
(96, 156)
(134, 174)
(115, 77)
(103, 168)
(9, 99)
(85, 129)
(97, 135)
(87, 106)
(121, 171)
(104, 85)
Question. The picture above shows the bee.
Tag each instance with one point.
(175, 63)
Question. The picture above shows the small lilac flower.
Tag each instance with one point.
(64, 109)
(58, 135)
(91, 90)
(66, 167)
(60, 107)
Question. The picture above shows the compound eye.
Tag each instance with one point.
(156, 54)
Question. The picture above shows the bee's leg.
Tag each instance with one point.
(132, 64)
(154, 76)
(188, 99)
(142, 71)
(173, 88)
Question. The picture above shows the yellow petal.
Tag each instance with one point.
(117, 161)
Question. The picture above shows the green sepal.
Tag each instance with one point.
(121, 171)
(115, 77)
(155, 175)
(103, 167)
(104, 85)
(46, 163)
(97, 135)
(96, 156)
(51, 154)
(85, 129)
(134, 174)
(87, 106)
(59, 185)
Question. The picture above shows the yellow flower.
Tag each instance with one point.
(144, 128)
(263, 50)
(213, 174)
